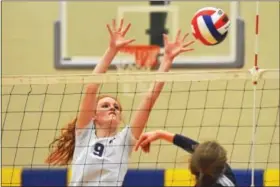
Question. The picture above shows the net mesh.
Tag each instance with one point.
(202, 105)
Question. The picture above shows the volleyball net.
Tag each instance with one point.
(218, 105)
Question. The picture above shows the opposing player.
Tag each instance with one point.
(208, 160)
(98, 152)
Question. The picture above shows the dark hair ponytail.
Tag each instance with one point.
(207, 163)
(206, 180)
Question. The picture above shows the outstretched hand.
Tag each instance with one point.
(145, 141)
(117, 35)
(173, 49)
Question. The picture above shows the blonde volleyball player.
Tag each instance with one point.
(208, 161)
(98, 152)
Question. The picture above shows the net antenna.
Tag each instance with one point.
(255, 77)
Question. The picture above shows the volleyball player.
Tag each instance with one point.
(98, 152)
(208, 162)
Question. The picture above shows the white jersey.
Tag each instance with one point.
(101, 161)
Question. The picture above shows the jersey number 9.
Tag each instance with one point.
(98, 149)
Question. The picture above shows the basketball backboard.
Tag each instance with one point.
(81, 35)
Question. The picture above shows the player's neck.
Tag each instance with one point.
(104, 132)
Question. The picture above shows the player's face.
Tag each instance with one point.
(108, 112)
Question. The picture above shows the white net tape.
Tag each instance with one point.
(136, 77)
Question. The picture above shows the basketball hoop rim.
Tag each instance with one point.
(141, 47)
(145, 55)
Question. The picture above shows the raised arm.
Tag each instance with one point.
(117, 40)
(179, 140)
(172, 49)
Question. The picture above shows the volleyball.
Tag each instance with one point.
(210, 25)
